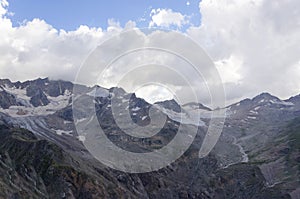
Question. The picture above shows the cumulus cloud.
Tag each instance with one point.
(167, 18)
(36, 49)
(134, 60)
(255, 44)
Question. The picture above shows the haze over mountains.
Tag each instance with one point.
(42, 155)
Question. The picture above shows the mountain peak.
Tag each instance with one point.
(4, 82)
(196, 105)
(170, 104)
(294, 98)
(265, 97)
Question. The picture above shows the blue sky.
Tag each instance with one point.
(70, 14)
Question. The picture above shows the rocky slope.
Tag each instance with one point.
(33, 168)
(48, 159)
(266, 129)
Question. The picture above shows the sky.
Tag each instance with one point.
(70, 14)
(254, 44)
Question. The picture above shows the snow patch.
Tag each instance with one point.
(136, 109)
(56, 103)
(81, 138)
(283, 103)
(67, 122)
(192, 118)
(60, 132)
(80, 120)
(254, 112)
(99, 92)
(256, 108)
(20, 95)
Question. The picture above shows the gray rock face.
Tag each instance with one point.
(33, 168)
(262, 128)
(7, 100)
(38, 90)
(48, 160)
(38, 98)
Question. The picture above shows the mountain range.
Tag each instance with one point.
(42, 155)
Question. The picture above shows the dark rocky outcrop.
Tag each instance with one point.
(32, 168)
(7, 100)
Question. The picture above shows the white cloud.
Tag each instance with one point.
(229, 68)
(254, 43)
(264, 36)
(140, 64)
(36, 49)
(166, 18)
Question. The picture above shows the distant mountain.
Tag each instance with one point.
(42, 155)
(35, 93)
(170, 104)
(193, 105)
